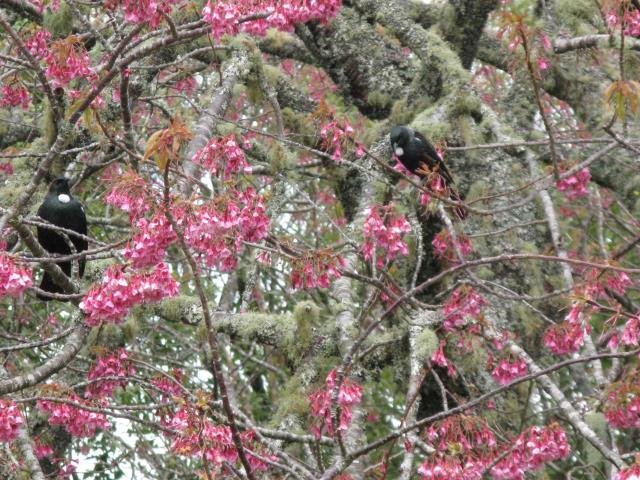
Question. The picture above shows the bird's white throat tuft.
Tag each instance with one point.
(399, 151)
(64, 198)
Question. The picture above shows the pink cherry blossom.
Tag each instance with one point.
(399, 167)
(447, 468)
(111, 300)
(574, 317)
(169, 387)
(109, 365)
(37, 44)
(463, 303)
(545, 41)
(618, 282)
(632, 22)
(630, 473)
(218, 229)
(10, 421)
(223, 155)
(143, 11)
(622, 403)
(576, 185)
(129, 192)
(67, 60)
(531, 450)
(631, 331)
(383, 231)
(186, 85)
(149, 245)
(543, 63)
(199, 437)
(225, 15)
(316, 269)
(564, 338)
(508, 370)
(443, 245)
(14, 96)
(6, 168)
(42, 450)
(264, 257)
(13, 279)
(77, 421)
(473, 440)
(469, 432)
(439, 358)
(349, 394)
(334, 135)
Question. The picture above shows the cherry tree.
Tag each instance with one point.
(269, 293)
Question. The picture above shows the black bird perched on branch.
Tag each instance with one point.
(420, 158)
(62, 210)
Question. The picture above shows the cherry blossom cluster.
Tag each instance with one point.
(38, 43)
(469, 433)
(218, 229)
(383, 231)
(6, 168)
(531, 450)
(149, 244)
(575, 315)
(448, 468)
(200, 438)
(443, 245)
(509, 369)
(186, 85)
(618, 282)
(316, 269)
(169, 387)
(10, 421)
(631, 331)
(630, 20)
(564, 338)
(222, 154)
(349, 394)
(463, 303)
(473, 441)
(439, 358)
(334, 134)
(79, 422)
(115, 364)
(14, 96)
(128, 193)
(630, 473)
(622, 404)
(143, 11)
(67, 60)
(225, 16)
(13, 279)
(476, 450)
(41, 450)
(111, 300)
(575, 186)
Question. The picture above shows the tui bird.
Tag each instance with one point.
(62, 210)
(420, 158)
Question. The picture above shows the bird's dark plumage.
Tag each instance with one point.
(419, 157)
(62, 210)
